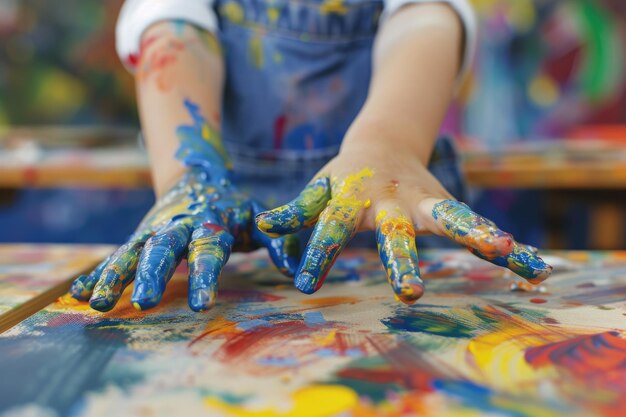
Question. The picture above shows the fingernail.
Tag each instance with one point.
(102, 303)
(409, 288)
(78, 289)
(145, 295)
(542, 275)
(202, 299)
(306, 282)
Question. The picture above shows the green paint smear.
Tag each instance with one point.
(602, 65)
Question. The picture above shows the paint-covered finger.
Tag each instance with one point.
(160, 256)
(83, 286)
(119, 272)
(209, 250)
(299, 213)
(457, 221)
(523, 261)
(334, 229)
(396, 245)
(284, 251)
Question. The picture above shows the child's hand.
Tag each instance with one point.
(397, 196)
(197, 218)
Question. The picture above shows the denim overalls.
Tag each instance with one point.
(298, 73)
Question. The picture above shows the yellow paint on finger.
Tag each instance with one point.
(314, 401)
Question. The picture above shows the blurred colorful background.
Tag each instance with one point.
(548, 76)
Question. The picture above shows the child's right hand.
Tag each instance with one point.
(198, 217)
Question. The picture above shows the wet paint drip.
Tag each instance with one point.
(464, 226)
(334, 229)
(396, 246)
(523, 286)
(299, 213)
(201, 144)
(203, 215)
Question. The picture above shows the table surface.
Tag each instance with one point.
(57, 157)
(469, 346)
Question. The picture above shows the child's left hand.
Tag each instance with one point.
(393, 193)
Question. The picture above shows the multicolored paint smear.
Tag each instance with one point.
(203, 214)
(336, 210)
(27, 271)
(483, 238)
(471, 347)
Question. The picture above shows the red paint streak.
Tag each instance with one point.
(332, 262)
(331, 248)
(279, 131)
(379, 376)
(479, 276)
(538, 300)
(132, 60)
(586, 285)
(249, 342)
(145, 43)
(215, 228)
(597, 361)
(601, 356)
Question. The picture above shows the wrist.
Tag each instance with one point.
(387, 135)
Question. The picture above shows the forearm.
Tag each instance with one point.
(416, 61)
(178, 62)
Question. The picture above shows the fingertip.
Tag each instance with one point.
(306, 282)
(410, 292)
(145, 294)
(273, 227)
(79, 290)
(102, 303)
(541, 275)
(202, 299)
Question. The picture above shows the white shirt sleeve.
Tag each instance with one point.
(465, 12)
(137, 15)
